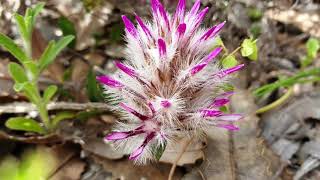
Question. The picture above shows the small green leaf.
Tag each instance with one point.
(15, 50)
(35, 12)
(18, 86)
(17, 73)
(67, 28)
(62, 116)
(31, 92)
(22, 26)
(313, 45)
(229, 61)
(24, 124)
(158, 150)
(49, 93)
(32, 67)
(94, 90)
(52, 51)
(249, 49)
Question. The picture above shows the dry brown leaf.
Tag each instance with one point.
(193, 152)
(70, 171)
(127, 170)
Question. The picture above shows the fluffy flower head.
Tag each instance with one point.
(171, 82)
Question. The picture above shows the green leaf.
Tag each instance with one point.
(254, 55)
(17, 73)
(32, 67)
(94, 90)
(62, 116)
(52, 51)
(23, 29)
(18, 86)
(31, 92)
(313, 45)
(37, 164)
(35, 12)
(49, 93)
(229, 61)
(158, 150)
(249, 49)
(67, 28)
(24, 124)
(15, 50)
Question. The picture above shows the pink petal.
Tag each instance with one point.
(109, 81)
(134, 112)
(195, 8)
(229, 127)
(129, 26)
(165, 103)
(143, 26)
(151, 107)
(179, 14)
(210, 113)
(155, 6)
(136, 153)
(181, 29)
(213, 31)
(126, 69)
(230, 117)
(212, 55)
(220, 102)
(117, 136)
(200, 17)
(197, 68)
(123, 135)
(164, 15)
(162, 47)
(226, 72)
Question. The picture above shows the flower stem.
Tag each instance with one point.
(174, 165)
(276, 103)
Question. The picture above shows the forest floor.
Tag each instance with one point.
(281, 143)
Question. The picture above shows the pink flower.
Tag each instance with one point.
(170, 85)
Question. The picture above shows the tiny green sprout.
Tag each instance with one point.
(26, 73)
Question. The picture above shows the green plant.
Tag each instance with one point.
(302, 76)
(248, 49)
(27, 72)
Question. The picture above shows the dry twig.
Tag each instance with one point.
(23, 107)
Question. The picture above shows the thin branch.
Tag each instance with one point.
(23, 107)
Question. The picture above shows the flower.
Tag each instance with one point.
(171, 83)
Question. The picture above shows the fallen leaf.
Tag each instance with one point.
(193, 152)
